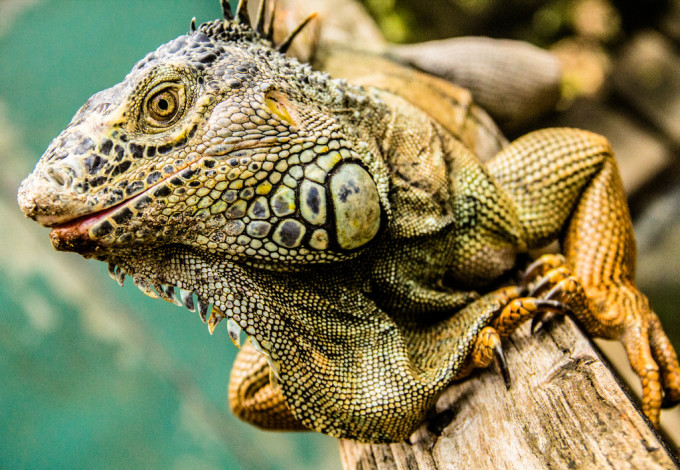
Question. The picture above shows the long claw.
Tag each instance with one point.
(540, 286)
(547, 306)
(532, 270)
(538, 265)
(555, 292)
(502, 364)
(551, 304)
(536, 321)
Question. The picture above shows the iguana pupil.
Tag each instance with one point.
(163, 106)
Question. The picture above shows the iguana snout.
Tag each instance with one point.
(52, 194)
(68, 181)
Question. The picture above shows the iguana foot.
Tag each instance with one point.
(513, 312)
(616, 311)
(487, 348)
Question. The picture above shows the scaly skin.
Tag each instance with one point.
(351, 231)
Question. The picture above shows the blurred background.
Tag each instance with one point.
(94, 375)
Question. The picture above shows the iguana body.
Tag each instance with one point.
(352, 232)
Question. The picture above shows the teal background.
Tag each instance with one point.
(97, 376)
(93, 375)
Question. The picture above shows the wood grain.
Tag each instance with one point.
(565, 409)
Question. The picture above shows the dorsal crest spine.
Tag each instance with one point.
(238, 23)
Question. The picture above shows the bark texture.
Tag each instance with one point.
(565, 409)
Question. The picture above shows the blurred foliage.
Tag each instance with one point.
(542, 22)
(583, 33)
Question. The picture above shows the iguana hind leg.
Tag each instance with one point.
(568, 178)
(630, 320)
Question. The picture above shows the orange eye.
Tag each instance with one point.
(165, 105)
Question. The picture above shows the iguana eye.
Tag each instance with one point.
(165, 105)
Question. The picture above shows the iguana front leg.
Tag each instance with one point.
(381, 389)
(567, 178)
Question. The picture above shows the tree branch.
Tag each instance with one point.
(565, 409)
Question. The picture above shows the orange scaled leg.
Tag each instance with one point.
(513, 313)
(252, 396)
(618, 313)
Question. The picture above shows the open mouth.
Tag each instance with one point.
(80, 226)
(74, 235)
(85, 222)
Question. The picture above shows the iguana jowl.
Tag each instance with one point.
(352, 233)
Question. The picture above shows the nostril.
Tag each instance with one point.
(58, 176)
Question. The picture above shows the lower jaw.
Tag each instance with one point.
(74, 238)
(75, 234)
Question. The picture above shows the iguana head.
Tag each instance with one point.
(215, 141)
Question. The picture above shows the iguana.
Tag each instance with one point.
(349, 228)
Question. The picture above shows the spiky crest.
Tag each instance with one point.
(241, 16)
(283, 47)
(272, 15)
(259, 21)
(238, 26)
(226, 10)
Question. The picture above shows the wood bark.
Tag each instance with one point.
(564, 409)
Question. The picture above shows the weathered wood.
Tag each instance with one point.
(565, 409)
